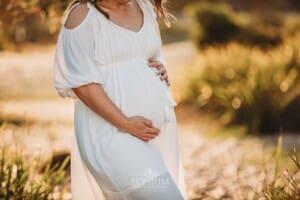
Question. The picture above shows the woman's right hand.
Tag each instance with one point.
(141, 128)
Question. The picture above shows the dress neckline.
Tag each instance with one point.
(127, 29)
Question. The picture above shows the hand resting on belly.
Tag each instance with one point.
(137, 126)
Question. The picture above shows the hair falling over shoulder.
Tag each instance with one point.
(159, 5)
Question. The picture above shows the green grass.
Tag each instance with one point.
(19, 179)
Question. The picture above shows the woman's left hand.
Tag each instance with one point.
(162, 72)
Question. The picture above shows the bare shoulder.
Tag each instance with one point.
(76, 16)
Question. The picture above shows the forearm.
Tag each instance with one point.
(97, 100)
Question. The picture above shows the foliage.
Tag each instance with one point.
(28, 20)
(17, 181)
(245, 5)
(247, 86)
(217, 24)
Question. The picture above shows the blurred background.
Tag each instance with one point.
(234, 68)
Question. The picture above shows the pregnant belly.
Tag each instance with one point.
(138, 91)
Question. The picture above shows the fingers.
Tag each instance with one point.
(153, 131)
(164, 77)
(162, 72)
(168, 82)
(149, 136)
(149, 133)
(147, 122)
(142, 137)
(146, 137)
(155, 63)
(146, 131)
(151, 128)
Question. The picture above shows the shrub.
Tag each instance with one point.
(31, 21)
(218, 24)
(215, 23)
(36, 28)
(20, 181)
(248, 86)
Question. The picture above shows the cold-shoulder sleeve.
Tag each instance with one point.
(74, 60)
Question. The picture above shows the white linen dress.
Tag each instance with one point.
(107, 163)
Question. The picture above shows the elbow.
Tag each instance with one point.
(85, 90)
(79, 92)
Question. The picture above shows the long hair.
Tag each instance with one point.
(159, 5)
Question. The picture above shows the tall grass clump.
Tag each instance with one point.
(286, 184)
(20, 180)
(251, 87)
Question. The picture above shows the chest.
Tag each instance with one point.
(116, 44)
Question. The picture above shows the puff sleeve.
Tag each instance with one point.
(74, 60)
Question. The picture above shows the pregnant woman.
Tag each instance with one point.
(109, 60)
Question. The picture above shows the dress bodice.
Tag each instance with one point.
(110, 38)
